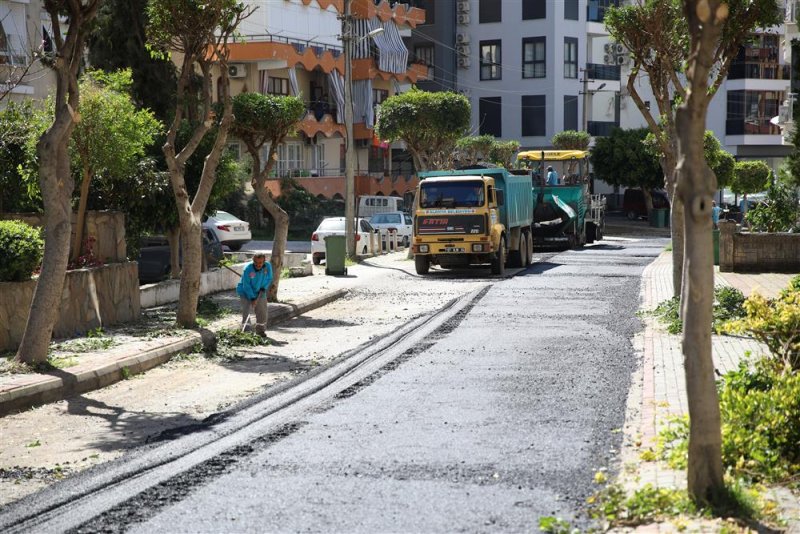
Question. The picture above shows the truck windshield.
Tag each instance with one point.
(451, 194)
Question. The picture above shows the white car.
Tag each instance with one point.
(230, 230)
(397, 220)
(335, 226)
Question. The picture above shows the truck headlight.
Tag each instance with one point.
(477, 247)
(423, 248)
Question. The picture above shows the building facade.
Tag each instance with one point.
(25, 33)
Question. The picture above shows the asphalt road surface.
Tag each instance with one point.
(485, 417)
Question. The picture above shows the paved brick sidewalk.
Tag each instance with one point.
(662, 387)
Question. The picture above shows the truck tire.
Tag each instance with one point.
(515, 256)
(499, 261)
(422, 264)
(591, 232)
(529, 257)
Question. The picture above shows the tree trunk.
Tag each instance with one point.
(174, 240)
(57, 186)
(281, 219)
(191, 248)
(648, 201)
(81, 219)
(668, 165)
(696, 187)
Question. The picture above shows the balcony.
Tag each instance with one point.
(598, 71)
(596, 9)
(741, 70)
(754, 126)
(600, 128)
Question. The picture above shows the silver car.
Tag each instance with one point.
(397, 220)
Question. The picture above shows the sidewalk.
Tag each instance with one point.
(663, 386)
(133, 349)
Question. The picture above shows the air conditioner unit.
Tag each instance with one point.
(622, 60)
(463, 19)
(462, 49)
(463, 6)
(463, 62)
(608, 59)
(608, 48)
(619, 49)
(237, 70)
(462, 38)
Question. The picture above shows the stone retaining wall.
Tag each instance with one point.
(107, 227)
(91, 298)
(757, 252)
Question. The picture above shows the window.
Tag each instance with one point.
(490, 11)
(570, 57)
(278, 86)
(491, 60)
(749, 112)
(534, 60)
(318, 159)
(571, 9)
(424, 54)
(570, 112)
(13, 34)
(489, 116)
(235, 150)
(290, 158)
(534, 9)
(534, 121)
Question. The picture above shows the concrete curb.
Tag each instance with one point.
(59, 384)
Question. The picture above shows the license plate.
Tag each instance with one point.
(453, 249)
(238, 228)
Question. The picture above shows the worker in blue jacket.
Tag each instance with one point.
(252, 291)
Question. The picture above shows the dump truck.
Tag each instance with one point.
(473, 216)
(566, 215)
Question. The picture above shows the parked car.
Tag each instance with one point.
(154, 260)
(230, 230)
(633, 204)
(335, 226)
(397, 220)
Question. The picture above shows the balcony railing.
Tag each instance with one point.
(598, 71)
(759, 71)
(298, 44)
(600, 128)
(756, 126)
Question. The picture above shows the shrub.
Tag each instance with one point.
(21, 247)
(774, 322)
(778, 213)
(728, 305)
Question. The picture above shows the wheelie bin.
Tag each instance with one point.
(335, 249)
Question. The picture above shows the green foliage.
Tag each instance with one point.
(474, 148)
(728, 305)
(21, 247)
(21, 125)
(720, 161)
(571, 140)
(750, 177)
(672, 444)
(209, 310)
(646, 505)
(429, 123)
(305, 210)
(623, 159)
(780, 211)
(188, 26)
(118, 41)
(263, 118)
(555, 525)
(504, 153)
(774, 322)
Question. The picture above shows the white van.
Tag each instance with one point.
(369, 205)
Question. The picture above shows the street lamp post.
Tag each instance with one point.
(348, 40)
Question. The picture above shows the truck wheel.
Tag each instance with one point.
(529, 256)
(499, 262)
(515, 256)
(591, 232)
(422, 264)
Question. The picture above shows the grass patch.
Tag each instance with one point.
(728, 306)
(668, 248)
(209, 310)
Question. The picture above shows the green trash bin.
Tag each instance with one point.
(716, 246)
(335, 254)
(658, 218)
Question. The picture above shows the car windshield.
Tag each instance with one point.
(386, 218)
(468, 194)
(331, 225)
(224, 216)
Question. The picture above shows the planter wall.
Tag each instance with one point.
(102, 296)
(757, 252)
(107, 227)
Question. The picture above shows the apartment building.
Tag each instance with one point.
(294, 47)
(25, 30)
(532, 68)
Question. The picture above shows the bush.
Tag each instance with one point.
(21, 247)
(774, 322)
(778, 213)
(728, 305)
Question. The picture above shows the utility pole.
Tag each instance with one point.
(349, 153)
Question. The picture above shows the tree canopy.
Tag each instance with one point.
(623, 159)
(429, 123)
(750, 177)
(571, 140)
(21, 125)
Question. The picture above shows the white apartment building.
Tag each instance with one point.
(25, 29)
